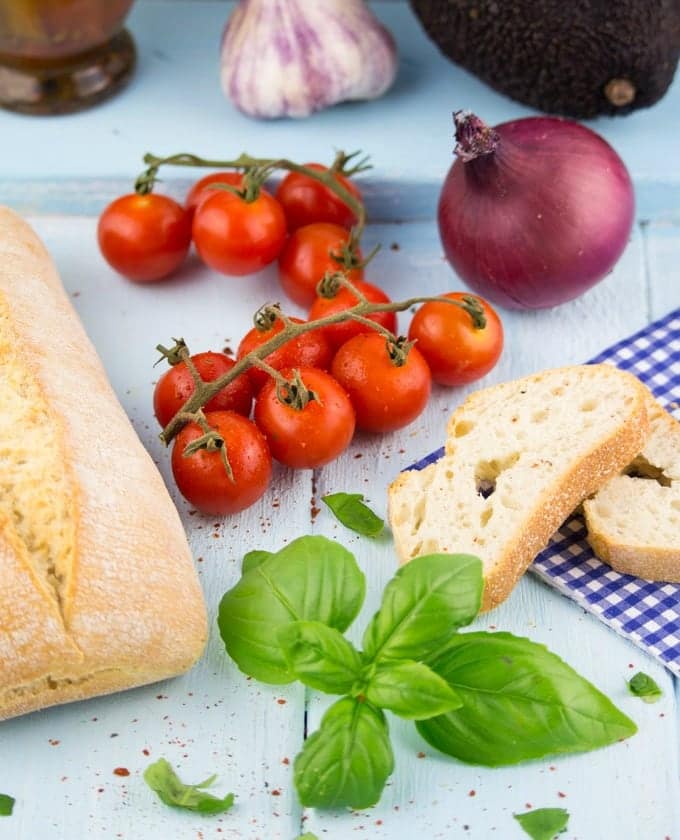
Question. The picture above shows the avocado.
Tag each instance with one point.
(578, 58)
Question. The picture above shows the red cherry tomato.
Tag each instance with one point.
(235, 236)
(311, 349)
(456, 351)
(307, 437)
(203, 189)
(305, 200)
(385, 395)
(144, 237)
(306, 257)
(338, 334)
(202, 478)
(176, 385)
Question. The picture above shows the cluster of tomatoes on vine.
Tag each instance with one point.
(320, 383)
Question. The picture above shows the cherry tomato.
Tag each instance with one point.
(305, 200)
(202, 478)
(176, 385)
(306, 257)
(338, 334)
(385, 395)
(203, 189)
(311, 349)
(144, 237)
(235, 236)
(307, 437)
(456, 351)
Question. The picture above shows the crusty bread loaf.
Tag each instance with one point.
(633, 522)
(98, 588)
(520, 457)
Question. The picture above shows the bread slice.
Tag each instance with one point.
(633, 522)
(519, 458)
(98, 592)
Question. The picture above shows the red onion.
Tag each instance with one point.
(534, 211)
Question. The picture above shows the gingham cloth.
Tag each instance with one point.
(647, 613)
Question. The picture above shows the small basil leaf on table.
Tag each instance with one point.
(320, 656)
(411, 690)
(423, 605)
(162, 779)
(350, 510)
(643, 686)
(543, 823)
(312, 578)
(6, 805)
(520, 701)
(252, 559)
(347, 761)
(308, 836)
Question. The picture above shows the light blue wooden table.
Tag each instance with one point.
(60, 172)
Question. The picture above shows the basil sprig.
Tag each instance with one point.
(350, 510)
(485, 698)
(643, 686)
(519, 702)
(161, 778)
(311, 578)
(6, 805)
(543, 823)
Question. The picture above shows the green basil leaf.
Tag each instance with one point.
(520, 701)
(412, 691)
(543, 823)
(643, 686)
(423, 605)
(320, 656)
(312, 578)
(347, 761)
(6, 805)
(350, 510)
(308, 836)
(162, 779)
(252, 559)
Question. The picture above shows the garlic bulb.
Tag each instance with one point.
(288, 58)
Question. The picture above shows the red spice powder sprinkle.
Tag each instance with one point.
(276, 792)
(421, 755)
(285, 761)
(561, 795)
(121, 771)
(472, 793)
(281, 701)
(145, 751)
(378, 822)
(528, 805)
(54, 742)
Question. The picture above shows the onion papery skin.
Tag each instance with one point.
(541, 218)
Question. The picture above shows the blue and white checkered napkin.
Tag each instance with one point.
(647, 613)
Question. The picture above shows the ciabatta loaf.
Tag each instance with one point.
(520, 457)
(98, 590)
(633, 522)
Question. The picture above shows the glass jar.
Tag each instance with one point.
(58, 56)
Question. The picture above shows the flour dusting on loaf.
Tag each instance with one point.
(99, 589)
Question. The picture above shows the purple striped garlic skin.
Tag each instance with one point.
(289, 58)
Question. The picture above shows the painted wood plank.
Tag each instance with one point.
(662, 249)
(175, 104)
(628, 790)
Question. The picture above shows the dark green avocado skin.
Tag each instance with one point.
(569, 57)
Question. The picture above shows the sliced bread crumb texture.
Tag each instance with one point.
(633, 522)
(520, 457)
